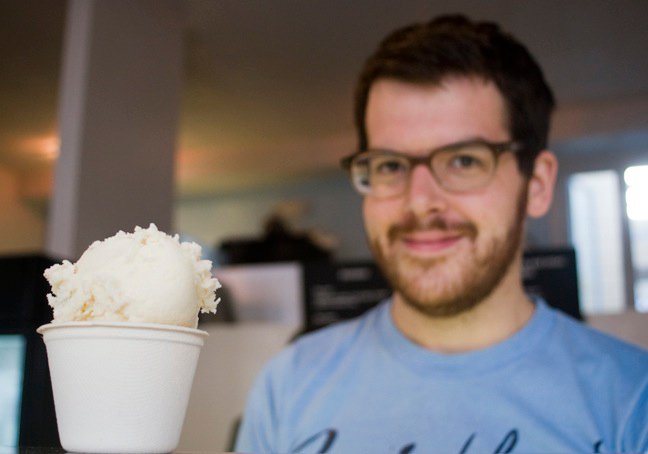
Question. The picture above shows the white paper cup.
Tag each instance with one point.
(121, 387)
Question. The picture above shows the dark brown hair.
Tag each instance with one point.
(450, 46)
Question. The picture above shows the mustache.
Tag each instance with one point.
(413, 224)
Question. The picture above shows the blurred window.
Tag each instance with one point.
(636, 196)
(605, 212)
(596, 232)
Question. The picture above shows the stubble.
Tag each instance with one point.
(451, 285)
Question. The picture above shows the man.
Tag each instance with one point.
(453, 121)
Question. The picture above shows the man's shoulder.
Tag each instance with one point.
(584, 341)
(597, 338)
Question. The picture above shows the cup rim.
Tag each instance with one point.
(121, 325)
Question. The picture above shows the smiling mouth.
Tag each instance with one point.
(431, 242)
(434, 237)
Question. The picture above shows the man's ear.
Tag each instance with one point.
(541, 184)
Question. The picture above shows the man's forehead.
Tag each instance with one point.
(455, 109)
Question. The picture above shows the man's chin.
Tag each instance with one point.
(442, 307)
(423, 267)
(428, 284)
(443, 286)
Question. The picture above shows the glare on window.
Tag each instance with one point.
(636, 178)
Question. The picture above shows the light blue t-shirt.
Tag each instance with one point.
(362, 387)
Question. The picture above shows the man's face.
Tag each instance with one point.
(444, 252)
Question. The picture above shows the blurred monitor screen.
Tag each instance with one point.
(12, 361)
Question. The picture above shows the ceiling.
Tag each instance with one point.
(268, 84)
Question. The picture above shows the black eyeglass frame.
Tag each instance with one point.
(497, 148)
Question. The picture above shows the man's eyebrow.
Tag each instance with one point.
(469, 140)
(450, 145)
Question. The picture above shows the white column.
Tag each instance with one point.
(119, 104)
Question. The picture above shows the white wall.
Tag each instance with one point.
(230, 360)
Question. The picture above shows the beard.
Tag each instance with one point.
(450, 285)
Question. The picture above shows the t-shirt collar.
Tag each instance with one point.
(422, 360)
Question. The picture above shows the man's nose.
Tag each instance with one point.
(424, 194)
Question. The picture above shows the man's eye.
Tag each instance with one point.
(387, 167)
(465, 162)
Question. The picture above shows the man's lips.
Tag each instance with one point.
(433, 241)
(433, 237)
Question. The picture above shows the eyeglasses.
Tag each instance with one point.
(458, 168)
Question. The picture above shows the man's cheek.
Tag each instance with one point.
(374, 222)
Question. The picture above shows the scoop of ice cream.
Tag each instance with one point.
(144, 276)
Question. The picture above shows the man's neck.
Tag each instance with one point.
(503, 313)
